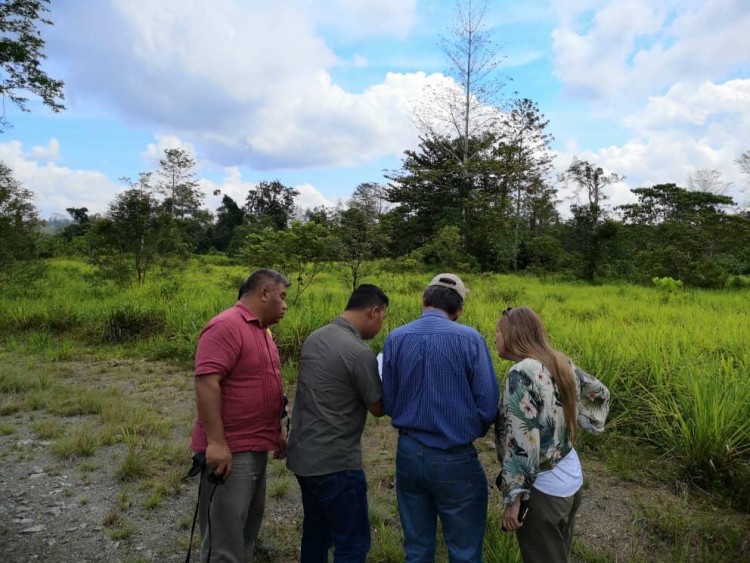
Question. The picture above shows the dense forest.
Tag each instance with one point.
(499, 213)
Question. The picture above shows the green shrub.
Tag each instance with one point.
(668, 286)
(737, 282)
(130, 323)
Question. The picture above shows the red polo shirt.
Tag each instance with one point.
(235, 346)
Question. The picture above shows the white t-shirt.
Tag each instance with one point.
(564, 479)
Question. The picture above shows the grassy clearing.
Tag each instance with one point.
(678, 369)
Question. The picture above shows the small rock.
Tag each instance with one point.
(25, 521)
(37, 475)
(33, 529)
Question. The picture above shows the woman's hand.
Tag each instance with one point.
(510, 518)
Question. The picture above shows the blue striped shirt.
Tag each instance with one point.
(439, 385)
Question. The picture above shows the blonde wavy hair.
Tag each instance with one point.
(524, 336)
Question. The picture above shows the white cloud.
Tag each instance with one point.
(50, 153)
(56, 187)
(684, 131)
(248, 83)
(155, 151)
(237, 188)
(687, 105)
(310, 197)
(620, 50)
(364, 18)
(666, 73)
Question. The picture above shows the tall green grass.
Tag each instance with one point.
(679, 370)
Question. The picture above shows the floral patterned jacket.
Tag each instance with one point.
(530, 433)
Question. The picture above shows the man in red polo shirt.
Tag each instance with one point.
(239, 397)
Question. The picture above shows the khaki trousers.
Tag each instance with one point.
(547, 532)
(236, 510)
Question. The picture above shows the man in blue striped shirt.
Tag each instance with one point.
(439, 388)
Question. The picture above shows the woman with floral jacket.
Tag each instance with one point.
(546, 399)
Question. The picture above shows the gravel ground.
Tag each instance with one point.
(65, 510)
(51, 511)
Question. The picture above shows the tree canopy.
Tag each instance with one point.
(21, 55)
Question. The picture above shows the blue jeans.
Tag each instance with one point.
(336, 514)
(449, 484)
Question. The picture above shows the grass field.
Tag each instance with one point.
(678, 367)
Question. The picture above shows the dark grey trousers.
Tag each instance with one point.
(547, 532)
(236, 510)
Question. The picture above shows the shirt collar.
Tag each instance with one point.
(432, 312)
(246, 313)
(346, 325)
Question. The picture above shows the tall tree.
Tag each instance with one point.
(434, 190)
(707, 181)
(300, 251)
(21, 54)
(229, 216)
(468, 108)
(360, 236)
(668, 202)
(176, 181)
(686, 235)
(271, 203)
(526, 158)
(19, 223)
(590, 225)
(80, 226)
(136, 234)
(743, 161)
(591, 181)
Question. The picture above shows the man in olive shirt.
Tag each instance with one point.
(338, 383)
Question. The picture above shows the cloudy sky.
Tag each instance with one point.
(317, 93)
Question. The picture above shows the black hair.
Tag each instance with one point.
(256, 280)
(443, 298)
(365, 296)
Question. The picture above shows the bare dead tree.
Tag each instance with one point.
(468, 106)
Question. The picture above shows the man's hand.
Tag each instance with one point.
(208, 398)
(280, 451)
(219, 460)
(510, 518)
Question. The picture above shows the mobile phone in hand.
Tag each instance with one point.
(523, 511)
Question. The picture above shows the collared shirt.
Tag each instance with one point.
(530, 432)
(338, 377)
(235, 345)
(439, 385)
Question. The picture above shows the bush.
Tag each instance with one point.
(130, 323)
(737, 282)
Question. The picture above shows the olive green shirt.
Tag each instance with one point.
(338, 377)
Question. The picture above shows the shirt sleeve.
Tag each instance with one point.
(218, 349)
(366, 379)
(593, 402)
(390, 385)
(518, 435)
(484, 387)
